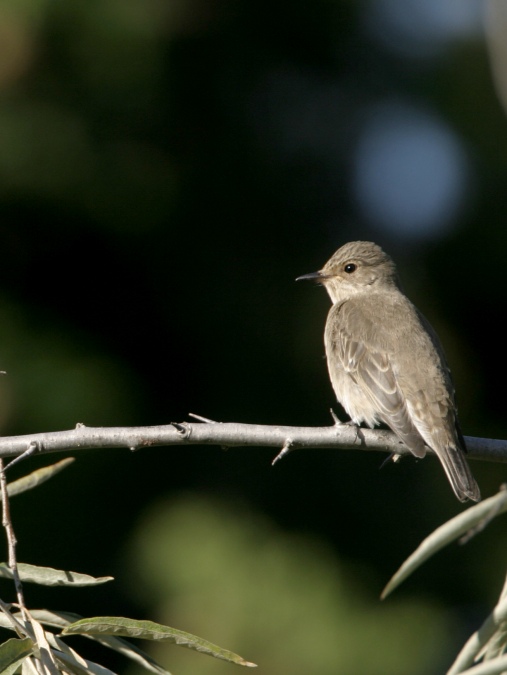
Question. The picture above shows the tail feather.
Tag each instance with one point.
(458, 472)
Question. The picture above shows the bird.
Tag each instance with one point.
(386, 363)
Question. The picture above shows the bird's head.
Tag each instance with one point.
(356, 267)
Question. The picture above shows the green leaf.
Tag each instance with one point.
(130, 651)
(47, 576)
(475, 516)
(37, 477)
(12, 653)
(147, 630)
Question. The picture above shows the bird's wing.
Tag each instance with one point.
(406, 381)
(367, 358)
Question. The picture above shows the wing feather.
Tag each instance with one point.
(371, 368)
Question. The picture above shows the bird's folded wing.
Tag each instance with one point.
(372, 371)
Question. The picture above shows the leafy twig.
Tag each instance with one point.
(11, 540)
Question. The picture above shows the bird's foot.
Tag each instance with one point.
(348, 423)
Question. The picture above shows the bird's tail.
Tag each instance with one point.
(458, 472)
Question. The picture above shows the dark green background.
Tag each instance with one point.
(151, 228)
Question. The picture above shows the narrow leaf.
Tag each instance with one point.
(131, 652)
(15, 622)
(13, 652)
(72, 662)
(496, 646)
(60, 646)
(148, 630)
(476, 642)
(28, 666)
(47, 576)
(55, 619)
(127, 649)
(71, 665)
(44, 651)
(37, 477)
(495, 667)
(445, 534)
(5, 623)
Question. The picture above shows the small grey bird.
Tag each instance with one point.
(386, 363)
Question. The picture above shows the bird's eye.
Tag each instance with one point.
(350, 268)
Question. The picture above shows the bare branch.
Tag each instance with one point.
(231, 434)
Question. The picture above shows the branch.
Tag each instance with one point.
(231, 434)
(11, 539)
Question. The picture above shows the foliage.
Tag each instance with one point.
(37, 649)
(488, 645)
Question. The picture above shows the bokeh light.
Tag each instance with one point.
(411, 172)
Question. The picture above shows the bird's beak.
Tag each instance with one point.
(313, 276)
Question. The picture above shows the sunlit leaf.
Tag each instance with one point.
(474, 646)
(47, 576)
(37, 477)
(44, 651)
(73, 662)
(446, 533)
(496, 646)
(52, 618)
(488, 668)
(147, 630)
(71, 665)
(130, 651)
(28, 666)
(60, 646)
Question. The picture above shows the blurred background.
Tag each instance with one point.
(167, 169)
